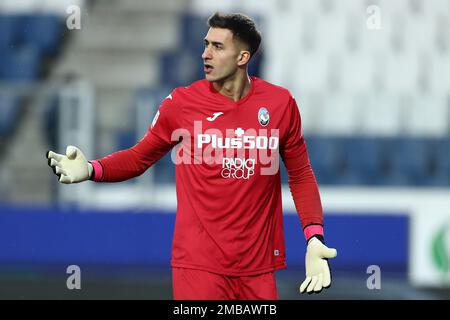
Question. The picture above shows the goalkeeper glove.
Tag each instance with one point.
(318, 274)
(70, 168)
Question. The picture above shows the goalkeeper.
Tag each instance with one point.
(230, 130)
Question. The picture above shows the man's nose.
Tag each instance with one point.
(206, 54)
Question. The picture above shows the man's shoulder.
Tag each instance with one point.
(273, 89)
(195, 87)
(183, 96)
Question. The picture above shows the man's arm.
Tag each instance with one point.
(306, 197)
(125, 164)
(305, 192)
(118, 166)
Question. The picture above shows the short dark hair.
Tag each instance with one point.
(242, 27)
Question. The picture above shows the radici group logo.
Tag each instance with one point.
(238, 168)
(440, 250)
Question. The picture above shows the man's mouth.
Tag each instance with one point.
(208, 68)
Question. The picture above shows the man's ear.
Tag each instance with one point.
(244, 57)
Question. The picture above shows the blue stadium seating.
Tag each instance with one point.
(9, 112)
(440, 174)
(9, 27)
(326, 156)
(20, 65)
(352, 178)
(254, 67)
(193, 31)
(396, 161)
(164, 170)
(360, 161)
(152, 98)
(410, 158)
(395, 179)
(353, 160)
(25, 40)
(181, 67)
(125, 139)
(364, 158)
(50, 116)
(42, 31)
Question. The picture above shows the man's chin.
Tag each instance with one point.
(210, 78)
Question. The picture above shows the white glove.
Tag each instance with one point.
(72, 167)
(318, 274)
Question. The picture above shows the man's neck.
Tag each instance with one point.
(234, 88)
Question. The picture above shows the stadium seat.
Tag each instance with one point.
(181, 68)
(353, 80)
(146, 103)
(410, 158)
(9, 113)
(352, 178)
(9, 26)
(326, 156)
(332, 33)
(152, 97)
(402, 73)
(126, 139)
(164, 170)
(440, 175)
(428, 116)
(50, 116)
(193, 30)
(364, 159)
(310, 69)
(339, 115)
(254, 67)
(417, 32)
(42, 31)
(381, 115)
(441, 73)
(395, 179)
(20, 65)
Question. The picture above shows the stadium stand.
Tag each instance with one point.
(9, 113)
(375, 103)
(26, 40)
(375, 106)
(369, 99)
(30, 41)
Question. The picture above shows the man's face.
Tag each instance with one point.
(221, 55)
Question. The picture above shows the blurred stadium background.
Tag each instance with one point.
(372, 79)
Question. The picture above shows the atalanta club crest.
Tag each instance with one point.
(263, 116)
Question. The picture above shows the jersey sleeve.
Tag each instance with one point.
(294, 144)
(126, 164)
(302, 181)
(167, 120)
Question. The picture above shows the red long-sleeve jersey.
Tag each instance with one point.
(229, 213)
